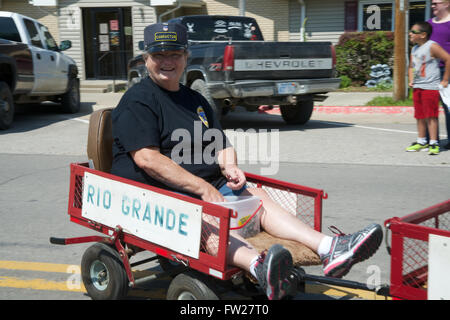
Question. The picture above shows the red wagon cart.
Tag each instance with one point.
(134, 217)
(106, 269)
(420, 254)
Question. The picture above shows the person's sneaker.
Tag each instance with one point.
(415, 146)
(433, 149)
(346, 250)
(272, 271)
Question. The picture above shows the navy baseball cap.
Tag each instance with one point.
(165, 37)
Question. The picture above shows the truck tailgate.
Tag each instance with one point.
(282, 60)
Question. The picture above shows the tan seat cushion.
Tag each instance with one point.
(99, 145)
(301, 255)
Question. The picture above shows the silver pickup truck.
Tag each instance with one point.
(33, 68)
(231, 65)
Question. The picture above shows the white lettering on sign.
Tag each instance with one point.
(163, 220)
(281, 64)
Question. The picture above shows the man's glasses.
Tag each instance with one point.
(415, 31)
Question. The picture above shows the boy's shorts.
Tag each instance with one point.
(426, 103)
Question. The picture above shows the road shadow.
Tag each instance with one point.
(28, 117)
(260, 121)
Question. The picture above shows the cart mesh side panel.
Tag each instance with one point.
(78, 195)
(409, 253)
(304, 203)
(209, 242)
(297, 204)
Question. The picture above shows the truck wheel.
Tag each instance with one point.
(199, 85)
(298, 114)
(70, 101)
(103, 273)
(191, 286)
(6, 106)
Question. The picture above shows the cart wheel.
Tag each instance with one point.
(103, 273)
(191, 286)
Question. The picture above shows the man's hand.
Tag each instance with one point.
(210, 194)
(235, 177)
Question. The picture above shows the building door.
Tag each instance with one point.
(108, 42)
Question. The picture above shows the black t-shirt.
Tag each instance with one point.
(181, 124)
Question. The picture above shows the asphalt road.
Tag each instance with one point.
(358, 159)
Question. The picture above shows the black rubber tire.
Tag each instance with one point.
(101, 258)
(298, 114)
(70, 101)
(199, 85)
(192, 285)
(6, 106)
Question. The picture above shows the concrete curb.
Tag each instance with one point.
(352, 110)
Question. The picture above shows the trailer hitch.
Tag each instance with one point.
(299, 277)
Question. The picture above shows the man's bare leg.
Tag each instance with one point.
(282, 224)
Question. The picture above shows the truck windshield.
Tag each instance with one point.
(222, 28)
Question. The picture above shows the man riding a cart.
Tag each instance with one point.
(148, 124)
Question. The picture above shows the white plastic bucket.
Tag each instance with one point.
(245, 219)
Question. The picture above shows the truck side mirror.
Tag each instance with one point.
(141, 45)
(65, 44)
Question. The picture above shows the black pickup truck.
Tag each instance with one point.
(232, 65)
(33, 68)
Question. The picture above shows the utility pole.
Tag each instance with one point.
(242, 4)
(400, 50)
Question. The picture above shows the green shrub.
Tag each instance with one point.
(345, 82)
(356, 52)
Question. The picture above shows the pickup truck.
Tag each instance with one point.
(231, 64)
(32, 67)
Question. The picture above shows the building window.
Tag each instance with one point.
(418, 11)
(380, 14)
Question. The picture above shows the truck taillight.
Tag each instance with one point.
(228, 58)
(333, 56)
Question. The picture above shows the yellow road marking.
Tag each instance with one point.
(39, 266)
(71, 285)
(39, 284)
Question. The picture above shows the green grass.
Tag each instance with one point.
(389, 101)
(364, 89)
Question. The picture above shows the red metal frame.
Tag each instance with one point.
(412, 284)
(205, 262)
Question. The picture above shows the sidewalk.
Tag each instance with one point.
(345, 99)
